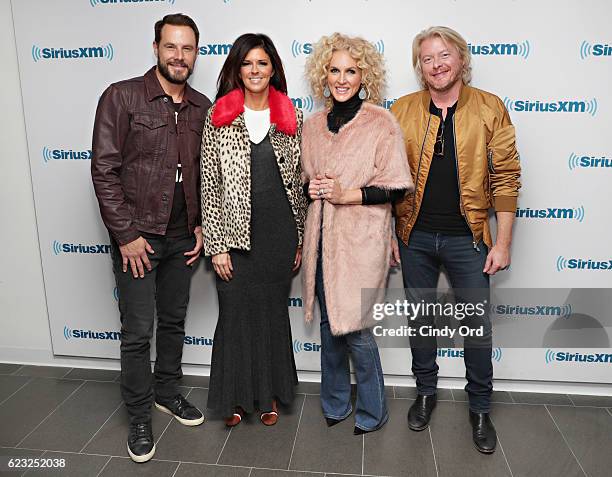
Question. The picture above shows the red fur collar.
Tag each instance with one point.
(282, 113)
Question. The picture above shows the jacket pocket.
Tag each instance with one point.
(151, 129)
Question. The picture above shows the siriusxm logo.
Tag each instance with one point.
(104, 51)
(571, 357)
(197, 341)
(582, 264)
(522, 49)
(591, 162)
(299, 49)
(49, 154)
(551, 213)
(215, 49)
(91, 335)
(496, 353)
(305, 102)
(298, 347)
(387, 103)
(564, 311)
(597, 49)
(529, 106)
(295, 302)
(93, 3)
(59, 248)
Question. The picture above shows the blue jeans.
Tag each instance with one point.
(371, 407)
(422, 260)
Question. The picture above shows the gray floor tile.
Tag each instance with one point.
(282, 473)
(10, 384)
(112, 437)
(93, 374)
(540, 398)
(30, 405)
(194, 444)
(410, 392)
(396, 450)
(595, 401)
(18, 453)
(83, 414)
(315, 439)
(8, 368)
(252, 444)
(210, 470)
(532, 443)
(75, 465)
(455, 453)
(496, 396)
(195, 381)
(589, 434)
(308, 388)
(42, 371)
(124, 467)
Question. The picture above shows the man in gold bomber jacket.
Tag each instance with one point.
(461, 148)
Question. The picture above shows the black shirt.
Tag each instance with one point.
(440, 211)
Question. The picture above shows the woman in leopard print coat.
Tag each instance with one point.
(253, 211)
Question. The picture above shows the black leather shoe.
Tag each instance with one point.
(140, 444)
(420, 412)
(483, 432)
(332, 422)
(182, 410)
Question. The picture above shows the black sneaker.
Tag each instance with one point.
(182, 410)
(140, 444)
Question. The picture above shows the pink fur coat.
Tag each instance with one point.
(367, 151)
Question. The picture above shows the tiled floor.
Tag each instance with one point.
(77, 415)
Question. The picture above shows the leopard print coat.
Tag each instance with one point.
(226, 171)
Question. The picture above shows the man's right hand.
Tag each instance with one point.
(222, 263)
(136, 254)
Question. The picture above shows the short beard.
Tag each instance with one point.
(165, 72)
(449, 86)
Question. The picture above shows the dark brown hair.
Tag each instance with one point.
(229, 77)
(176, 19)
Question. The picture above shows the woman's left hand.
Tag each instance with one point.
(331, 189)
(298, 259)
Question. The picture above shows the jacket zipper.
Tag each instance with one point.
(459, 184)
(490, 160)
(416, 180)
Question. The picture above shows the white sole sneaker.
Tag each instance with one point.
(184, 422)
(141, 458)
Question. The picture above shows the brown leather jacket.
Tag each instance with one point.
(136, 142)
(488, 168)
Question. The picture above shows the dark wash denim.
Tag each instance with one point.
(371, 406)
(164, 289)
(422, 260)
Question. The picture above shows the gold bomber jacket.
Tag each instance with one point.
(488, 167)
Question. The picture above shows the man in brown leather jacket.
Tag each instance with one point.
(145, 171)
(461, 148)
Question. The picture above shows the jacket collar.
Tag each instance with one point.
(464, 96)
(155, 90)
(282, 113)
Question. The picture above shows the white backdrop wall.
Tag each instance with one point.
(550, 52)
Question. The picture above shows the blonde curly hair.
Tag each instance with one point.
(368, 59)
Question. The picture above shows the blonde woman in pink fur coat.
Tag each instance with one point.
(354, 166)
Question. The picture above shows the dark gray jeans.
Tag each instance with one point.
(164, 289)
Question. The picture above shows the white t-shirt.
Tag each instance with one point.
(257, 123)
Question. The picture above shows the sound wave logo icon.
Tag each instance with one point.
(550, 356)
(509, 104)
(380, 46)
(573, 161)
(57, 247)
(297, 346)
(561, 263)
(592, 107)
(579, 214)
(46, 154)
(297, 48)
(305, 102)
(36, 53)
(524, 49)
(586, 50)
(566, 311)
(496, 354)
(109, 52)
(67, 333)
